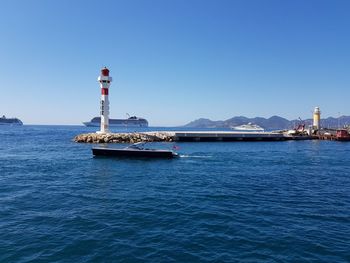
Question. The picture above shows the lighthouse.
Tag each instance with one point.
(105, 81)
(317, 119)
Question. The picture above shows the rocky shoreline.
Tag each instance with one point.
(124, 137)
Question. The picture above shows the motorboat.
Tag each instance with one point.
(248, 127)
(134, 151)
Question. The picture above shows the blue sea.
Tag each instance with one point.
(219, 202)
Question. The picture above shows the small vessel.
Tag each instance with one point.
(132, 121)
(342, 135)
(134, 151)
(248, 127)
(299, 130)
(10, 121)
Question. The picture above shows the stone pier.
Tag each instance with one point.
(188, 136)
(125, 137)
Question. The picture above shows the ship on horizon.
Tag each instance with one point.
(132, 121)
(248, 127)
(10, 121)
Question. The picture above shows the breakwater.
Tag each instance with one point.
(124, 137)
(194, 136)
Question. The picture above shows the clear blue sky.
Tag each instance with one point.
(174, 61)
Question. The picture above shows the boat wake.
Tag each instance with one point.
(194, 156)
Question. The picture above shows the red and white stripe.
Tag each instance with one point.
(105, 81)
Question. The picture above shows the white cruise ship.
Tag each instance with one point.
(10, 121)
(248, 127)
(129, 122)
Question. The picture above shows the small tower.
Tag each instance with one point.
(105, 81)
(317, 119)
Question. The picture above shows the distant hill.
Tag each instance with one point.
(274, 122)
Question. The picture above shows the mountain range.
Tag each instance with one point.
(274, 122)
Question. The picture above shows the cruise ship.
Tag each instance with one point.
(248, 127)
(10, 121)
(129, 122)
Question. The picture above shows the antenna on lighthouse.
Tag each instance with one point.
(105, 81)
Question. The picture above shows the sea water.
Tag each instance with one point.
(220, 201)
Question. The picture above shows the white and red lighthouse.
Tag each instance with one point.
(105, 81)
